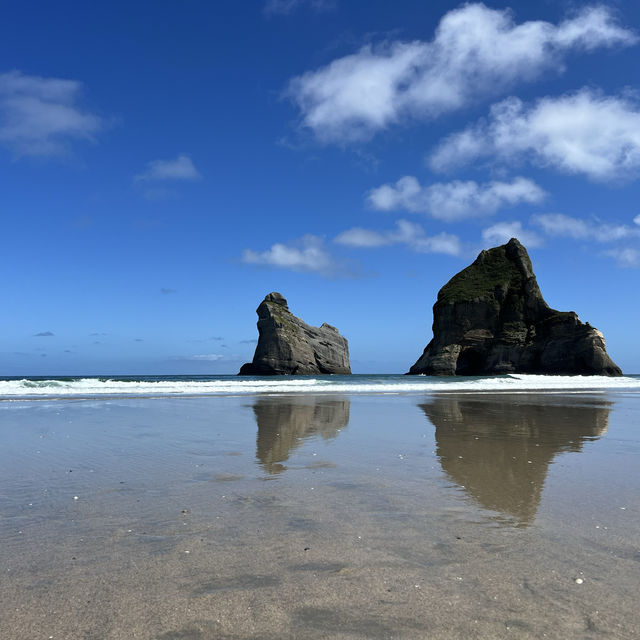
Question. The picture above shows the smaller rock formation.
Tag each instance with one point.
(289, 346)
(491, 319)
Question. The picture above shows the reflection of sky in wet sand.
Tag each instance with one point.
(285, 423)
(499, 448)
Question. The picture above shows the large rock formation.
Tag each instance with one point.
(287, 345)
(492, 319)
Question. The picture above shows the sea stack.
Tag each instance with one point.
(289, 346)
(491, 319)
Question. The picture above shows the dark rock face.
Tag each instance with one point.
(491, 319)
(288, 346)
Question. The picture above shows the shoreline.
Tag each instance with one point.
(328, 393)
(356, 384)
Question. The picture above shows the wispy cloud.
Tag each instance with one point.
(476, 51)
(560, 225)
(166, 292)
(584, 132)
(365, 238)
(41, 116)
(285, 7)
(306, 254)
(44, 334)
(453, 200)
(406, 233)
(502, 232)
(181, 168)
(626, 257)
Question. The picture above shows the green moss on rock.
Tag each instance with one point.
(491, 270)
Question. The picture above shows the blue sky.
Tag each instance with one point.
(164, 165)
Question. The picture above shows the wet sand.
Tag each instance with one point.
(451, 516)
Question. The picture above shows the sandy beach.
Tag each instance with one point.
(373, 516)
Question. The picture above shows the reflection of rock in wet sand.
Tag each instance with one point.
(499, 449)
(284, 423)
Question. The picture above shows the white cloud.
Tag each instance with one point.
(182, 168)
(40, 116)
(503, 231)
(205, 357)
(558, 224)
(637, 220)
(476, 51)
(408, 233)
(453, 200)
(286, 7)
(309, 255)
(584, 132)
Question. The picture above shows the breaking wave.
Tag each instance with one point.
(159, 386)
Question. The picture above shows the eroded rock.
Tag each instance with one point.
(491, 319)
(289, 346)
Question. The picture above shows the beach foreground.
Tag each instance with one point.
(321, 516)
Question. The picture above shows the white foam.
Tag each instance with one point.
(91, 387)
